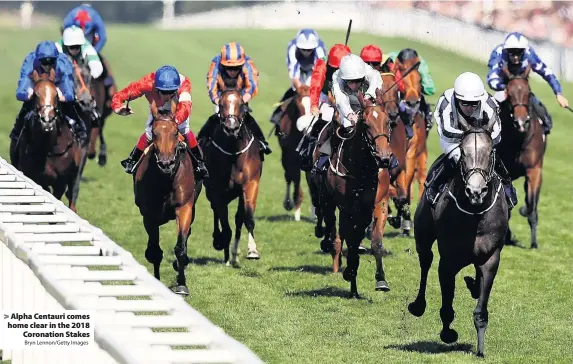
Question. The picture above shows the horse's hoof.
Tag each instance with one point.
(318, 231)
(480, 354)
(326, 245)
(354, 295)
(472, 286)
(253, 255)
(534, 246)
(382, 286)
(181, 290)
(102, 160)
(91, 156)
(417, 309)
(362, 250)
(394, 221)
(523, 211)
(405, 233)
(449, 336)
(288, 205)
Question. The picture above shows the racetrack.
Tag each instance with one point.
(287, 307)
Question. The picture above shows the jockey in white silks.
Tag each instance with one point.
(354, 75)
(468, 100)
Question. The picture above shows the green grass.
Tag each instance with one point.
(287, 307)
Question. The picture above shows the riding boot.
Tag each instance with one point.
(200, 168)
(23, 115)
(254, 127)
(280, 110)
(208, 128)
(131, 161)
(439, 173)
(425, 108)
(325, 153)
(75, 120)
(541, 111)
(510, 192)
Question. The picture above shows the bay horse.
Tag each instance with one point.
(523, 145)
(469, 221)
(235, 165)
(165, 189)
(354, 185)
(414, 119)
(47, 151)
(102, 95)
(289, 137)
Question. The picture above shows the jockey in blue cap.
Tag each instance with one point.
(302, 53)
(45, 58)
(516, 54)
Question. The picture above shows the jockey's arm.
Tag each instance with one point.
(292, 62)
(251, 81)
(25, 89)
(491, 109)
(495, 57)
(321, 52)
(66, 85)
(101, 31)
(185, 103)
(374, 80)
(93, 61)
(450, 136)
(495, 79)
(316, 82)
(133, 91)
(212, 84)
(542, 70)
(342, 101)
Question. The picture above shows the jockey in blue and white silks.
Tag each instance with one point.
(516, 54)
(302, 54)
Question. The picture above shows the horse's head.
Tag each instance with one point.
(405, 61)
(165, 138)
(82, 86)
(476, 160)
(390, 98)
(517, 92)
(377, 127)
(46, 99)
(231, 112)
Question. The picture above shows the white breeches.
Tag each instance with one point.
(499, 96)
(326, 109)
(452, 150)
(183, 127)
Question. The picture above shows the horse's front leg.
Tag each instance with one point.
(488, 272)
(533, 180)
(239, 220)
(250, 193)
(102, 156)
(402, 202)
(421, 173)
(184, 216)
(297, 195)
(353, 237)
(378, 250)
(153, 253)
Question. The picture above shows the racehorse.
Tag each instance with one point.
(412, 116)
(399, 144)
(48, 152)
(522, 146)
(470, 222)
(165, 189)
(102, 96)
(289, 137)
(354, 185)
(235, 165)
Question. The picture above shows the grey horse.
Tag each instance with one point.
(470, 221)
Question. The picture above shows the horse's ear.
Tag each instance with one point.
(153, 109)
(35, 76)
(52, 75)
(464, 126)
(173, 106)
(526, 72)
(379, 96)
(505, 71)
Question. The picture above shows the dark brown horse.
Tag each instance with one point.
(102, 96)
(289, 137)
(470, 222)
(417, 152)
(522, 146)
(48, 152)
(234, 161)
(165, 189)
(354, 185)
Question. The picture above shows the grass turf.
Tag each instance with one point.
(288, 307)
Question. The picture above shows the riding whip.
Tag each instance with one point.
(348, 32)
(569, 108)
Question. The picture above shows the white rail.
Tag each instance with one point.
(447, 33)
(42, 271)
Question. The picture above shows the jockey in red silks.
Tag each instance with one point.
(161, 86)
(373, 56)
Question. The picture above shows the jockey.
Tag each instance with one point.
(74, 44)
(161, 86)
(45, 58)
(302, 54)
(428, 86)
(87, 18)
(516, 54)
(468, 100)
(233, 69)
(372, 55)
(354, 75)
